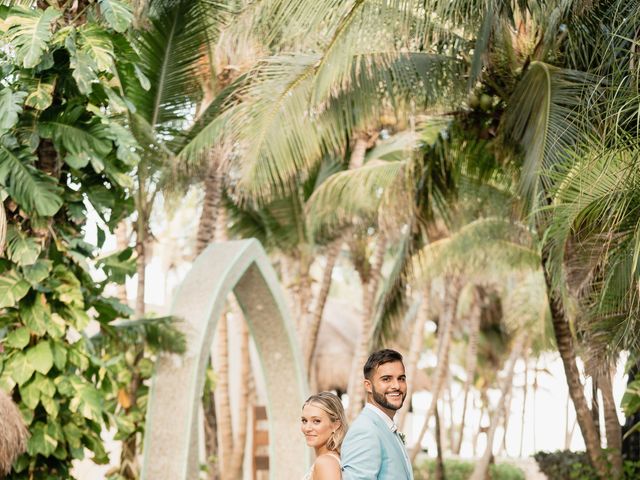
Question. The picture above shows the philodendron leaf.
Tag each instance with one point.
(84, 67)
(35, 314)
(117, 14)
(10, 108)
(12, 288)
(21, 248)
(37, 272)
(29, 32)
(30, 188)
(18, 339)
(83, 143)
(30, 394)
(41, 441)
(41, 97)
(87, 402)
(21, 370)
(95, 42)
(40, 357)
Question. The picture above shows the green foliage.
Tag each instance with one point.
(568, 465)
(65, 150)
(461, 470)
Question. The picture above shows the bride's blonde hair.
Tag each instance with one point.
(330, 403)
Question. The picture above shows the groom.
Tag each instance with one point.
(373, 449)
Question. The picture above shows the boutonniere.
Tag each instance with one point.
(402, 437)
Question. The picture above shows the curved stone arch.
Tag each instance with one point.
(171, 444)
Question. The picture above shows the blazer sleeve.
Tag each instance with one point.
(361, 455)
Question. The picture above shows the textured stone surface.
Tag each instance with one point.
(171, 449)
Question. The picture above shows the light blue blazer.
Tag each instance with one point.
(371, 451)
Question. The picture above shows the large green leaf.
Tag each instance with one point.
(37, 272)
(12, 288)
(40, 357)
(21, 248)
(35, 314)
(84, 67)
(10, 108)
(29, 32)
(30, 188)
(30, 394)
(41, 97)
(18, 339)
(117, 14)
(21, 370)
(42, 440)
(83, 143)
(87, 401)
(95, 42)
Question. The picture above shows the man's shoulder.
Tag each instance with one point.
(365, 421)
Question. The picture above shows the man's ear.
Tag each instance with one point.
(367, 385)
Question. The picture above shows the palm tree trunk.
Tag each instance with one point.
(223, 404)
(313, 325)
(472, 361)
(440, 475)
(3, 228)
(564, 341)
(356, 160)
(415, 348)
(612, 425)
(527, 351)
(505, 415)
(535, 395)
(482, 465)
(122, 241)
(217, 419)
(211, 203)
(237, 456)
(445, 329)
(356, 390)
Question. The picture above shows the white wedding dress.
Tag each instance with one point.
(309, 475)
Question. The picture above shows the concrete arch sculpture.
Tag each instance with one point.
(171, 444)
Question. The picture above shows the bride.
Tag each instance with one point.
(324, 426)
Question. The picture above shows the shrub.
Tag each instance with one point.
(461, 470)
(568, 465)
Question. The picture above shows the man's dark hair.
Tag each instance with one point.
(378, 358)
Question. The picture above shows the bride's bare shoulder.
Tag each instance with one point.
(327, 466)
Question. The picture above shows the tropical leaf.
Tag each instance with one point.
(546, 117)
(30, 188)
(41, 97)
(83, 66)
(10, 108)
(12, 288)
(485, 246)
(352, 196)
(82, 143)
(118, 14)
(171, 52)
(95, 42)
(30, 31)
(21, 249)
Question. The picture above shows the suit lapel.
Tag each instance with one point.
(390, 438)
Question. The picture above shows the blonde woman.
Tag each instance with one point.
(324, 426)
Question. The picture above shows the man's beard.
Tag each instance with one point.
(381, 400)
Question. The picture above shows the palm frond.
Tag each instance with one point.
(546, 117)
(177, 30)
(485, 247)
(352, 197)
(160, 334)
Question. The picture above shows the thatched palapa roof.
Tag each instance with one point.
(13, 434)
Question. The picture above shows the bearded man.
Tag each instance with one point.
(373, 448)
